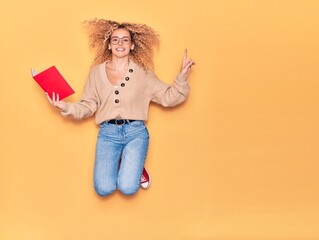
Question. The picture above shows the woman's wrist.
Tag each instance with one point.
(181, 78)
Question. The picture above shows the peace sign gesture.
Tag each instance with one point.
(186, 65)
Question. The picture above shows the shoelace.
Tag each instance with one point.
(143, 179)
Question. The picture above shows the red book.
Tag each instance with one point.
(51, 80)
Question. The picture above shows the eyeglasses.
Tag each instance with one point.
(117, 40)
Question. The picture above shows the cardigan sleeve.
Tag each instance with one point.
(168, 95)
(88, 103)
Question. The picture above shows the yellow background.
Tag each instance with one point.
(238, 160)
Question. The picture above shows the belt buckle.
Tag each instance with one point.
(117, 124)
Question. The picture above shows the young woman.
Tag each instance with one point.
(119, 89)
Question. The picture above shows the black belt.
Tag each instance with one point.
(120, 122)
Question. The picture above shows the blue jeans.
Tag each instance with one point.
(129, 143)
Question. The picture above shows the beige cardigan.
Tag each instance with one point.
(129, 100)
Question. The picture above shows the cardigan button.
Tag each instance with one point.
(127, 78)
(117, 101)
(117, 92)
(131, 70)
(122, 84)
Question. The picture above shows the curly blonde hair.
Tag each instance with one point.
(143, 37)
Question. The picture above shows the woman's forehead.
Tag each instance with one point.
(121, 32)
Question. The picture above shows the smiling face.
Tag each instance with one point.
(121, 43)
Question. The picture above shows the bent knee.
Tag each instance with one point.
(128, 189)
(104, 190)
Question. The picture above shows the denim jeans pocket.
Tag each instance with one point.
(137, 123)
(109, 131)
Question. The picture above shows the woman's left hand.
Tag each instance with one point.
(186, 65)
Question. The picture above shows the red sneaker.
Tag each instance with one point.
(145, 179)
